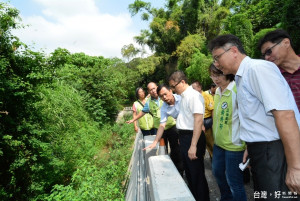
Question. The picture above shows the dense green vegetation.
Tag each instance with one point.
(179, 32)
(59, 140)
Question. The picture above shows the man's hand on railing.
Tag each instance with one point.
(136, 129)
(151, 146)
(130, 121)
(4, 112)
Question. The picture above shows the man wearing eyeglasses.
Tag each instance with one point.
(169, 108)
(269, 117)
(191, 137)
(276, 47)
(169, 131)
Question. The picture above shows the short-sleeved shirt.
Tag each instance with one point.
(170, 110)
(146, 108)
(209, 104)
(191, 103)
(260, 89)
(294, 82)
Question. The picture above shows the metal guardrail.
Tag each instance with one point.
(154, 177)
(137, 185)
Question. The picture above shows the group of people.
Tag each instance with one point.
(254, 115)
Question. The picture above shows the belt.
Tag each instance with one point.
(185, 132)
(263, 142)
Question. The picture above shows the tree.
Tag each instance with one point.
(198, 70)
(291, 22)
(255, 52)
(129, 51)
(266, 14)
(21, 71)
(241, 27)
(188, 46)
(55, 107)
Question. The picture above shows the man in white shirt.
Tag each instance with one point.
(191, 137)
(269, 117)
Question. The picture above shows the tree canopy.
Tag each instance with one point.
(173, 26)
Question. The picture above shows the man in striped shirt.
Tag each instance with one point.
(276, 47)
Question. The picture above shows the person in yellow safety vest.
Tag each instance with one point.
(146, 122)
(209, 108)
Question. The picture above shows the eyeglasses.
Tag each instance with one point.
(173, 87)
(216, 58)
(268, 52)
(214, 76)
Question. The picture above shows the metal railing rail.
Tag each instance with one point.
(137, 185)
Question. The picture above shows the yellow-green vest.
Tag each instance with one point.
(226, 127)
(155, 111)
(145, 122)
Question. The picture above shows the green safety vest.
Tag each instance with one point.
(155, 110)
(225, 121)
(145, 122)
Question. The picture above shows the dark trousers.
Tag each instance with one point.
(208, 122)
(171, 137)
(149, 132)
(194, 169)
(269, 167)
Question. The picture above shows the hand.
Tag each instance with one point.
(203, 128)
(151, 146)
(292, 180)
(245, 157)
(130, 121)
(136, 129)
(192, 153)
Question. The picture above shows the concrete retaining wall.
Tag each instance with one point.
(154, 178)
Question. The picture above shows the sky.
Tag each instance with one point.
(94, 27)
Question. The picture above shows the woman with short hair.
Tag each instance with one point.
(228, 149)
(145, 123)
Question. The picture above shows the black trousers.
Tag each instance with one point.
(208, 123)
(269, 167)
(194, 169)
(171, 137)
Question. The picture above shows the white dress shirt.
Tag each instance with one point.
(260, 89)
(192, 103)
